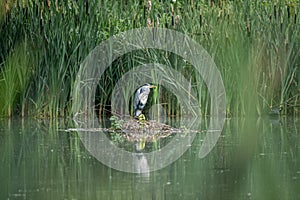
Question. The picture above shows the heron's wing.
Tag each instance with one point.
(143, 97)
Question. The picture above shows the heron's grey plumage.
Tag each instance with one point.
(140, 98)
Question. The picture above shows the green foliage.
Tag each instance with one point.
(254, 44)
(115, 123)
(15, 77)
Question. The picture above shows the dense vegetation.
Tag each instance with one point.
(255, 44)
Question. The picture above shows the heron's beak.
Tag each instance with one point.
(152, 86)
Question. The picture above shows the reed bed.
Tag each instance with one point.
(254, 44)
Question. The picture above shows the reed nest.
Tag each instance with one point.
(134, 130)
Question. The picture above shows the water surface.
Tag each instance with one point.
(253, 159)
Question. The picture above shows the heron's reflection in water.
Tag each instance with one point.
(141, 162)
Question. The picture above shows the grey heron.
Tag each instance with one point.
(140, 98)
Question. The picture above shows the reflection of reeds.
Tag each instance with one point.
(255, 46)
(251, 160)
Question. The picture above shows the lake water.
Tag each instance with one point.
(253, 159)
